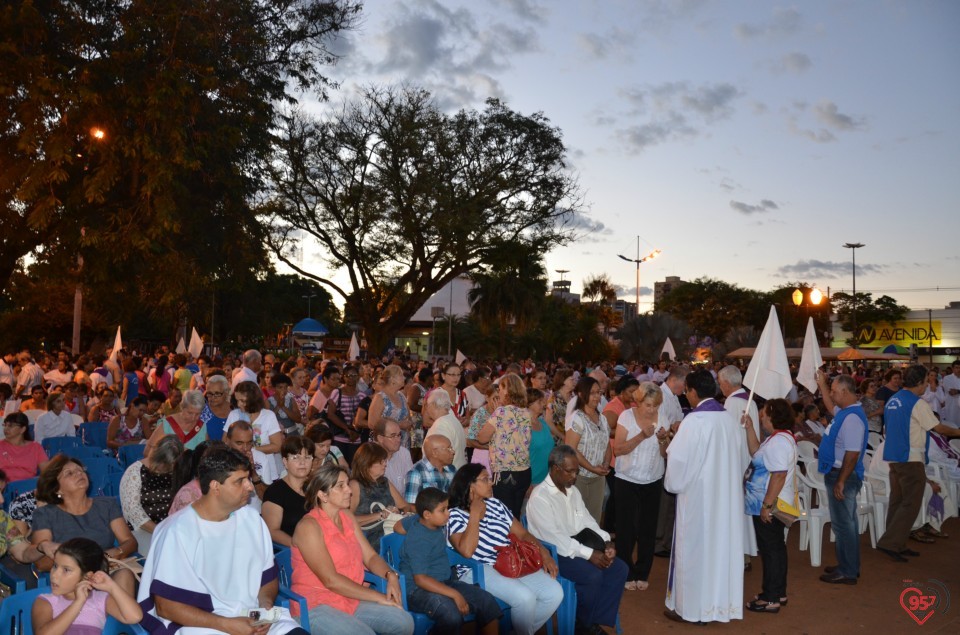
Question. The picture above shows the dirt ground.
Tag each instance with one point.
(872, 606)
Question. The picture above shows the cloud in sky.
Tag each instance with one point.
(782, 23)
(826, 269)
(829, 120)
(795, 63)
(766, 205)
(616, 42)
(674, 110)
(630, 293)
(587, 228)
(526, 9)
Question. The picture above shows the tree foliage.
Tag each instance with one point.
(712, 307)
(135, 132)
(403, 198)
(869, 311)
(643, 337)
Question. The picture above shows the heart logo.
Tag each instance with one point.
(918, 605)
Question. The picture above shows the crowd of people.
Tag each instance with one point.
(611, 464)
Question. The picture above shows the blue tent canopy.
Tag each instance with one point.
(309, 326)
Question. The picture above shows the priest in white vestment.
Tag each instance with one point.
(737, 402)
(951, 389)
(704, 470)
(211, 563)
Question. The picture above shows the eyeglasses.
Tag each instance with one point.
(483, 479)
(450, 450)
(351, 376)
(395, 435)
(453, 374)
(300, 457)
(73, 472)
(216, 394)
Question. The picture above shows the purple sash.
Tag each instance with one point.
(709, 405)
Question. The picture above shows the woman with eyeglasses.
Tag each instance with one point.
(451, 380)
(20, 456)
(70, 513)
(217, 407)
(131, 427)
(147, 490)
(284, 501)
(374, 497)
(478, 524)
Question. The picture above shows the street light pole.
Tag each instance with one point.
(653, 254)
(309, 307)
(853, 247)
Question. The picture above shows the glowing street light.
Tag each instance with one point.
(653, 254)
(98, 133)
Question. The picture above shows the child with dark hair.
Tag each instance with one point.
(82, 594)
(432, 588)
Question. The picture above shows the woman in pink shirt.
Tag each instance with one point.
(20, 457)
(329, 556)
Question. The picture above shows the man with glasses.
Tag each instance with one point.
(705, 581)
(399, 461)
(433, 470)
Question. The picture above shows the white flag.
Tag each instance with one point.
(668, 348)
(181, 347)
(117, 345)
(811, 360)
(768, 374)
(353, 351)
(196, 344)
(460, 358)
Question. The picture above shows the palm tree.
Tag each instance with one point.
(642, 338)
(510, 292)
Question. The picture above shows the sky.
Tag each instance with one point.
(746, 140)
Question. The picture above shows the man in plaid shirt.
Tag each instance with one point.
(433, 470)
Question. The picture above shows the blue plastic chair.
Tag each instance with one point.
(16, 488)
(112, 485)
(12, 580)
(130, 454)
(55, 445)
(94, 434)
(114, 627)
(15, 612)
(83, 452)
(99, 470)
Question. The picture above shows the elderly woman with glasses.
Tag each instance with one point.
(147, 490)
(185, 424)
(217, 407)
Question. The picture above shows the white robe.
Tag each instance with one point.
(705, 581)
(951, 409)
(221, 565)
(736, 407)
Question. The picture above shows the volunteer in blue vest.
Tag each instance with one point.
(908, 420)
(841, 463)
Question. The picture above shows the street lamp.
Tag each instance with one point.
(854, 247)
(436, 312)
(308, 298)
(653, 254)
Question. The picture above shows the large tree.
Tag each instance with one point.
(712, 307)
(403, 198)
(135, 132)
(868, 312)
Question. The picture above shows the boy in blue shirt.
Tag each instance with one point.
(435, 589)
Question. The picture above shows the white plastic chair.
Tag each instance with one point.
(873, 440)
(812, 519)
(807, 451)
(33, 415)
(866, 518)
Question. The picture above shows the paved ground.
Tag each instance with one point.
(872, 606)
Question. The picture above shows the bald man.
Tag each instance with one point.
(433, 470)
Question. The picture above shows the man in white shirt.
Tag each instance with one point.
(556, 513)
(399, 461)
(7, 376)
(252, 363)
(951, 390)
(670, 413)
(55, 422)
(212, 563)
(60, 376)
(730, 380)
(30, 375)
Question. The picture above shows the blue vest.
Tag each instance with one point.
(828, 445)
(896, 418)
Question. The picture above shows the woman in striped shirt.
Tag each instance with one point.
(479, 524)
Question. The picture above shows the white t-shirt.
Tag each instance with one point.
(644, 464)
(475, 398)
(242, 374)
(269, 466)
(779, 454)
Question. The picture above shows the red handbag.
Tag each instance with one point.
(518, 559)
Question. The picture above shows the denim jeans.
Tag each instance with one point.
(773, 554)
(370, 618)
(843, 521)
(533, 599)
(444, 611)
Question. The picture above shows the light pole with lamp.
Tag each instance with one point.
(815, 298)
(99, 135)
(653, 254)
(854, 247)
(308, 298)
(436, 312)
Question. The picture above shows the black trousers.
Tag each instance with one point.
(637, 509)
(773, 554)
(511, 488)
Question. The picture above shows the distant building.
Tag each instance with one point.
(934, 334)
(561, 289)
(661, 289)
(627, 310)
